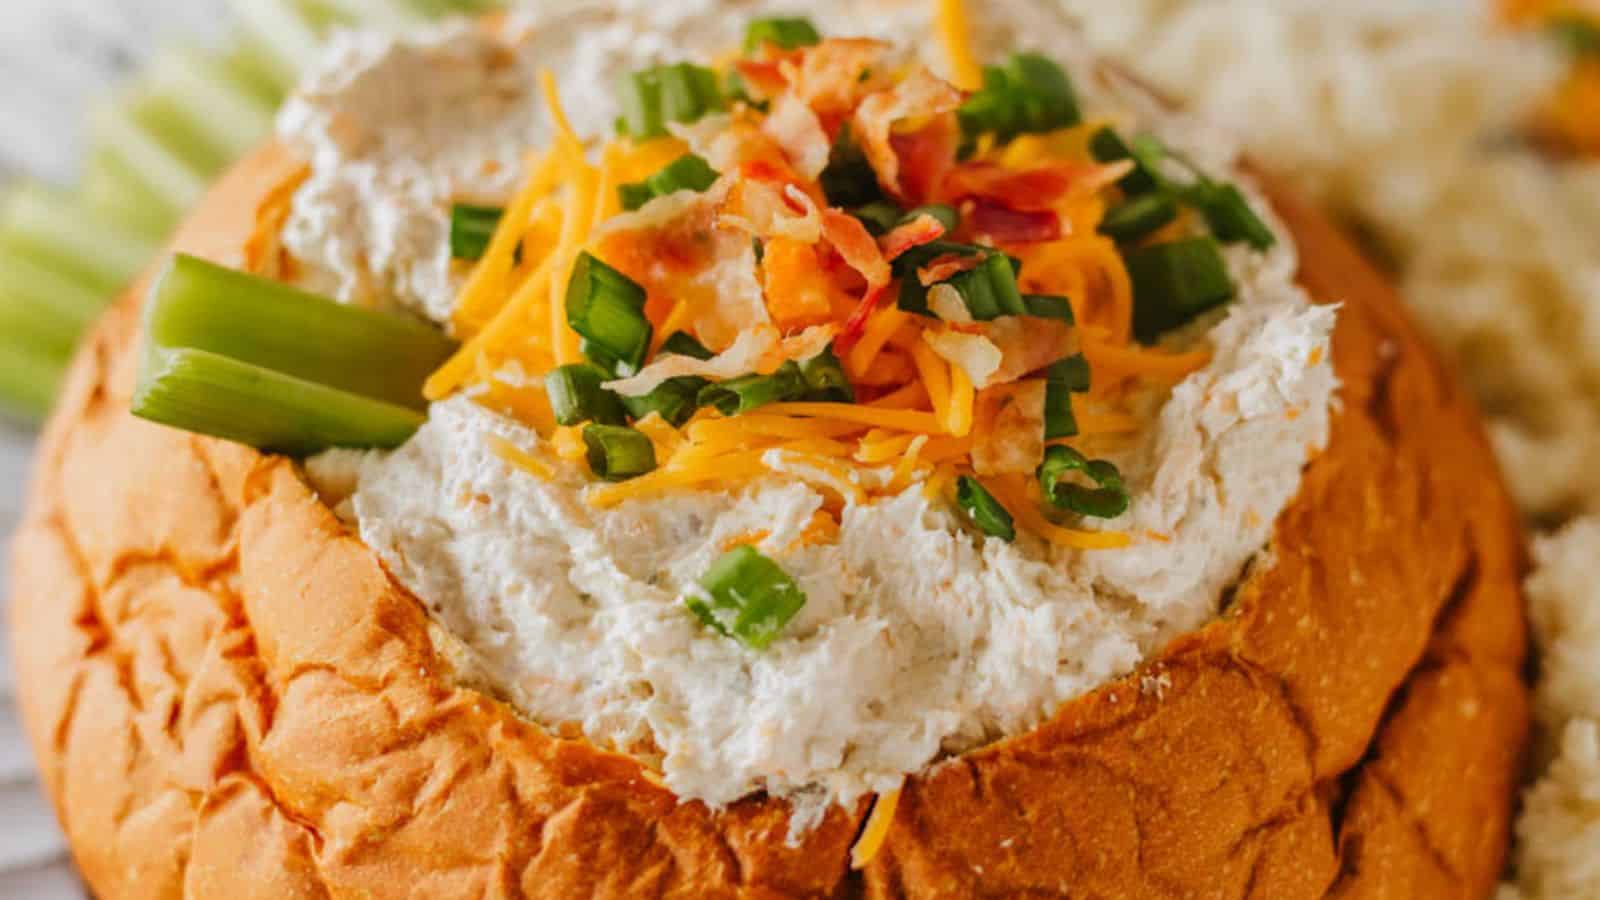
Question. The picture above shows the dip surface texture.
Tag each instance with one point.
(919, 638)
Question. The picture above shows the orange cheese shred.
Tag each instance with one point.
(876, 830)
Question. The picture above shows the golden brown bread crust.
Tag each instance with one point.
(230, 698)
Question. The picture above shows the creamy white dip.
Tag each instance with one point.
(918, 639)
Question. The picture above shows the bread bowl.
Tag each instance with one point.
(233, 690)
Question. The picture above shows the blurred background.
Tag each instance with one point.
(1458, 139)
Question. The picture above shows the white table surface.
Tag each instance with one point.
(56, 58)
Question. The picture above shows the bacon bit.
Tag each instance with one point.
(926, 156)
(921, 230)
(763, 78)
(829, 77)
(747, 539)
(855, 244)
(804, 345)
(1014, 443)
(1028, 345)
(798, 291)
(945, 302)
(942, 268)
(769, 208)
(1012, 226)
(975, 354)
(797, 130)
(920, 94)
(1158, 537)
(1021, 189)
(753, 351)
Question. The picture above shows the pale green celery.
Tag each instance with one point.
(281, 29)
(230, 119)
(55, 295)
(379, 13)
(212, 394)
(57, 229)
(165, 122)
(249, 66)
(24, 322)
(199, 305)
(28, 380)
(113, 192)
(166, 173)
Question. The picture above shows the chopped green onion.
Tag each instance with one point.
(675, 399)
(786, 33)
(880, 217)
(913, 294)
(198, 305)
(606, 308)
(681, 92)
(1580, 36)
(983, 510)
(740, 395)
(576, 396)
(618, 453)
(1030, 94)
(945, 214)
(1133, 219)
(686, 173)
(746, 596)
(990, 290)
(1229, 214)
(849, 180)
(1049, 306)
(1106, 146)
(471, 229)
(825, 379)
(1107, 500)
(1063, 379)
(1173, 283)
(683, 343)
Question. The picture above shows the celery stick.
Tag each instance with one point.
(29, 377)
(229, 119)
(211, 394)
(55, 227)
(164, 120)
(280, 28)
(115, 193)
(380, 13)
(250, 67)
(24, 320)
(200, 305)
(165, 172)
(54, 294)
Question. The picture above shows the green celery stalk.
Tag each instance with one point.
(250, 67)
(114, 192)
(56, 229)
(199, 305)
(28, 380)
(117, 129)
(52, 294)
(211, 394)
(228, 118)
(282, 30)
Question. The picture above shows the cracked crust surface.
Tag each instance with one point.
(229, 697)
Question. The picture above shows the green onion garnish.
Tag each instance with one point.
(1030, 94)
(1133, 219)
(787, 33)
(1106, 146)
(1229, 214)
(606, 307)
(880, 217)
(1049, 306)
(990, 290)
(747, 392)
(1580, 36)
(675, 399)
(1106, 500)
(825, 380)
(849, 181)
(686, 173)
(651, 98)
(683, 343)
(946, 215)
(1063, 379)
(577, 397)
(202, 306)
(983, 510)
(746, 596)
(471, 229)
(617, 453)
(1173, 283)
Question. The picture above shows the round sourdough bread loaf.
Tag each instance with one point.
(229, 697)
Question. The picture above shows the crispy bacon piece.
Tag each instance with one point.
(851, 238)
(795, 128)
(943, 267)
(1012, 226)
(926, 156)
(833, 76)
(921, 230)
(764, 79)
(919, 94)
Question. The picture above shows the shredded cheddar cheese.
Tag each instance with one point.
(954, 33)
(876, 830)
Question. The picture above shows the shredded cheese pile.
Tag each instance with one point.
(936, 399)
